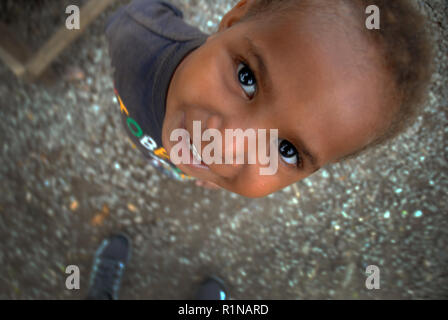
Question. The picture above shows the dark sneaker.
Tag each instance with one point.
(212, 289)
(108, 266)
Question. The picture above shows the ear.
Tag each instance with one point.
(235, 15)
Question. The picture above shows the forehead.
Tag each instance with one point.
(324, 75)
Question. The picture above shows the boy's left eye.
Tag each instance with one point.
(288, 152)
(247, 79)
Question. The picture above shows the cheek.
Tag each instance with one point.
(202, 79)
(193, 76)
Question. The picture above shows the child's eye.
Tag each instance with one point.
(288, 152)
(247, 79)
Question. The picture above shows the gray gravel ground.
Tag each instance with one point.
(69, 178)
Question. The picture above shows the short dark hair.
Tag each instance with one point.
(405, 51)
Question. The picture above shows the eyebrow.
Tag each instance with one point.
(312, 158)
(264, 77)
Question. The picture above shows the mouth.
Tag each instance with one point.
(195, 157)
(194, 154)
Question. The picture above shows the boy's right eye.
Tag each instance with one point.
(247, 79)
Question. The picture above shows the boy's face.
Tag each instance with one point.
(285, 74)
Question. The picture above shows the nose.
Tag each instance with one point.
(226, 169)
(213, 122)
(239, 125)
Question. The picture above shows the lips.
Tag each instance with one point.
(194, 154)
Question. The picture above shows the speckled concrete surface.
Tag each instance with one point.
(69, 178)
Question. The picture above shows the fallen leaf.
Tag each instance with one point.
(98, 219)
(74, 205)
(131, 207)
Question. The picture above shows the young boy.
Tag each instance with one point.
(309, 68)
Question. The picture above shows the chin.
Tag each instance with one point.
(252, 194)
(255, 195)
